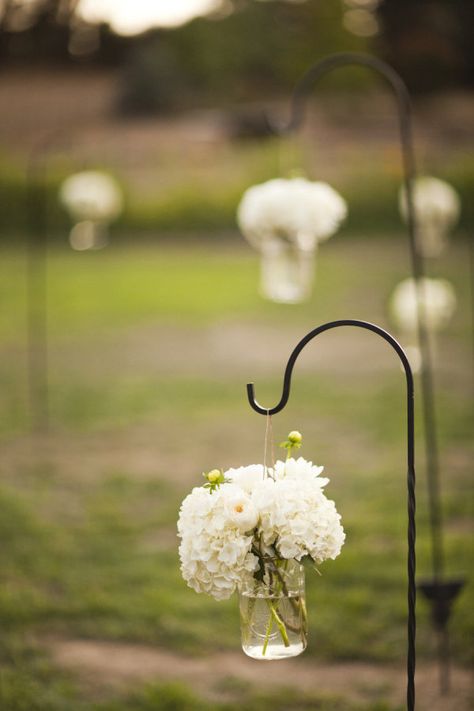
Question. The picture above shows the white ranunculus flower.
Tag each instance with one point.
(437, 209)
(91, 195)
(438, 298)
(295, 210)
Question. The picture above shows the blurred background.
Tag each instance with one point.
(127, 342)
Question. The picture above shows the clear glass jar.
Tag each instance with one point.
(88, 234)
(273, 619)
(287, 272)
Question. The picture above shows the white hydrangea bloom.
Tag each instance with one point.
(437, 209)
(297, 210)
(298, 520)
(91, 195)
(439, 301)
(214, 549)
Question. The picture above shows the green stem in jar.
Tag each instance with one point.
(298, 603)
(280, 624)
(268, 632)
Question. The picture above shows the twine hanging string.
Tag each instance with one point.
(269, 444)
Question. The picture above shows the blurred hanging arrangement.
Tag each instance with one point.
(285, 220)
(93, 200)
(437, 207)
(439, 304)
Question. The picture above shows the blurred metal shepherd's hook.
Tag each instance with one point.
(36, 215)
(440, 592)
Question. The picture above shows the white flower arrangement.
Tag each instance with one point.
(438, 298)
(437, 209)
(285, 219)
(215, 549)
(241, 517)
(296, 210)
(91, 195)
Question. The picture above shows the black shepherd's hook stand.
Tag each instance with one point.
(411, 504)
(440, 592)
(36, 214)
(36, 282)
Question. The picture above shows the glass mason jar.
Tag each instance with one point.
(273, 619)
(88, 234)
(286, 272)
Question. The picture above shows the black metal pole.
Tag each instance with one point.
(411, 501)
(36, 285)
(436, 590)
(36, 212)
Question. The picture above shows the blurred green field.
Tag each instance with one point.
(187, 183)
(150, 349)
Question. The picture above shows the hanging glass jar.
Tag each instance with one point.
(273, 618)
(88, 234)
(286, 271)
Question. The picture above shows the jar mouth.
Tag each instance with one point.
(277, 559)
(274, 573)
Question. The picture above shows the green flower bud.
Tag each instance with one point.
(214, 476)
(295, 437)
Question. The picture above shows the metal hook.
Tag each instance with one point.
(297, 116)
(309, 337)
(411, 502)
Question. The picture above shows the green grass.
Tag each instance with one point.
(192, 284)
(175, 698)
(87, 516)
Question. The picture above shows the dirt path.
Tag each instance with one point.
(119, 665)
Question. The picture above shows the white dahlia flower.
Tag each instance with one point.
(300, 469)
(246, 477)
(437, 209)
(296, 210)
(438, 298)
(240, 510)
(214, 549)
(91, 195)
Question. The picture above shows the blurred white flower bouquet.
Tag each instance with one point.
(93, 199)
(437, 209)
(250, 528)
(285, 219)
(438, 302)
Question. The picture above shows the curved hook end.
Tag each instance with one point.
(253, 403)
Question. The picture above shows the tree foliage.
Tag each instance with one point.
(257, 47)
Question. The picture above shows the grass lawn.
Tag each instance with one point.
(150, 349)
